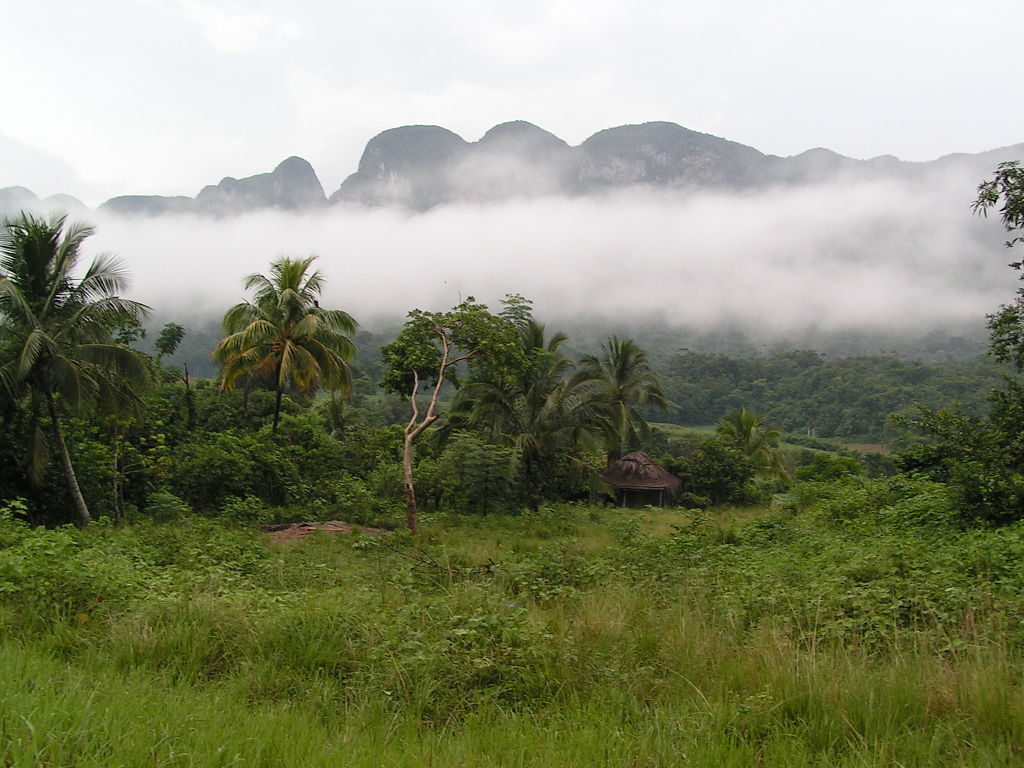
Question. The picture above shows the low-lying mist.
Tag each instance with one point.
(891, 257)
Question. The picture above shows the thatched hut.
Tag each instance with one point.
(639, 481)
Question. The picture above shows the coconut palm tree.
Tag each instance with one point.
(284, 335)
(747, 431)
(624, 380)
(539, 410)
(57, 346)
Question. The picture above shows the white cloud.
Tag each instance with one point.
(237, 32)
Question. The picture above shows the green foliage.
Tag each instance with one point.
(826, 466)
(806, 394)
(557, 571)
(713, 472)
(283, 337)
(854, 625)
(428, 351)
(52, 574)
(207, 471)
(1007, 187)
(431, 342)
(56, 342)
(546, 415)
(165, 507)
(748, 433)
(982, 460)
(250, 509)
(1006, 326)
(623, 382)
(477, 478)
(170, 337)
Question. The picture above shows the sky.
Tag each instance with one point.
(112, 97)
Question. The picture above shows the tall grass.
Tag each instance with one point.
(584, 637)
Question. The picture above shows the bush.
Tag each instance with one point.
(717, 472)
(164, 507)
(826, 466)
(477, 477)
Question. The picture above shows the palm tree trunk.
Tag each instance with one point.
(277, 411)
(81, 510)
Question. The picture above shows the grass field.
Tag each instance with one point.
(848, 628)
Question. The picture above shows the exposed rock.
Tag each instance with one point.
(423, 166)
(411, 166)
(291, 186)
(666, 155)
(148, 205)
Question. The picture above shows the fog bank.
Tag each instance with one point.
(877, 256)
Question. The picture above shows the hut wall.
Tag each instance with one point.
(637, 499)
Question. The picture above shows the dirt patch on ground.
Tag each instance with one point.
(292, 531)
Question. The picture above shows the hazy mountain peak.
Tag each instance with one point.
(14, 198)
(292, 185)
(423, 166)
(520, 131)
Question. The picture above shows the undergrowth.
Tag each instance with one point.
(853, 623)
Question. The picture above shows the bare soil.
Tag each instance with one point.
(292, 531)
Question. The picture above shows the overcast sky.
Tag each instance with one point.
(112, 97)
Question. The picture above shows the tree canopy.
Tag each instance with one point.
(427, 352)
(284, 337)
(57, 334)
(1005, 190)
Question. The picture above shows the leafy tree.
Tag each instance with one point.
(284, 337)
(713, 472)
(477, 477)
(538, 410)
(167, 342)
(827, 466)
(171, 335)
(981, 459)
(57, 331)
(426, 354)
(1006, 189)
(623, 380)
(746, 431)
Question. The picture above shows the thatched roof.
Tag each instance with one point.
(638, 472)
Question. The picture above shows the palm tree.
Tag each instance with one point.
(539, 410)
(285, 335)
(759, 443)
(624, 380)
(56, 332)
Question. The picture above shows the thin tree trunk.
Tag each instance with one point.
(116, 478)
(277, 397)
(81, 510)
(190, 406)
(410, 491)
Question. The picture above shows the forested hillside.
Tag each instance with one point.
(810, 394)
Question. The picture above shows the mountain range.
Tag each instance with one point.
(419, 167)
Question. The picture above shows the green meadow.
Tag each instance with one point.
(840, 626)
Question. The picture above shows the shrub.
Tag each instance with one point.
(164, 506)
(825, 466)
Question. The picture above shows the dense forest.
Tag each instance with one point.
(489, 600)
